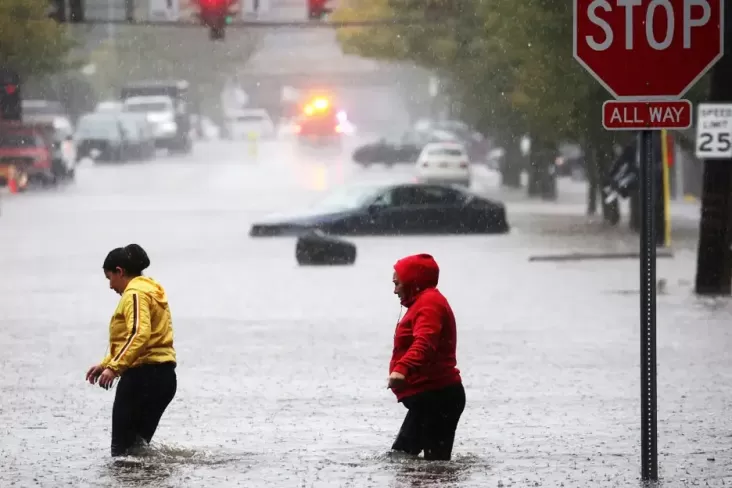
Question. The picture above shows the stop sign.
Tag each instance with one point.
(648, 49)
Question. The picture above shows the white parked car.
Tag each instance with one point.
(254, 122)
(444, 162)
(160, 111)
(109, 106)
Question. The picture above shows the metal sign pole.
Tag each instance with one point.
(649, 427)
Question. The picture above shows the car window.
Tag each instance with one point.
(97, 127)
(446, 151)
(250, 118)
(143, 107)
(20, 140)
(348, 197)
(422, 195)
(442, 196)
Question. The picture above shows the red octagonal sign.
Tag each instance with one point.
(648, 49)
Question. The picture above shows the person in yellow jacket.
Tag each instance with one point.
(141, 351)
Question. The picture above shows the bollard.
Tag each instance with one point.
(253, 144)
(12, 180)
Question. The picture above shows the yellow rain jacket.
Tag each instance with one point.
(141, 329)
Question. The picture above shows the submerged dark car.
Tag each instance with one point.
(386, 152)
(401, 209)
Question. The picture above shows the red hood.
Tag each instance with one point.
(416, 273)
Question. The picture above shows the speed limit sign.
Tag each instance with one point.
(714, 131)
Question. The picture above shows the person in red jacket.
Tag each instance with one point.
(423, 370)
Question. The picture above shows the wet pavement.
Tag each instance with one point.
(282, 370)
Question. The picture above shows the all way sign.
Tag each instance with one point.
(648, 115)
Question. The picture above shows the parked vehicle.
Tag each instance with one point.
(319, 124)
(109, 106)
(386, 152)
(244, 123)
(142, 134)
(178, 93)
(160, 113)
(474, 142)
(64, 154)
(444, 162)
(29, 154)
(392, 210)
(107, 136)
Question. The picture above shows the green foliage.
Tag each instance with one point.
(30, 42)
(508, 62)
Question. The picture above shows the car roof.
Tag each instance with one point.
(148, 99)
(445, 144)
(180, 84)
(405, 184)
(252, 111)
(100, 116)
(40, 103)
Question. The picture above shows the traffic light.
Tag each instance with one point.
(216, 15)
(10, 107)
(318, 9)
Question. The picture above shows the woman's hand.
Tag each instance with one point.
(396, 380)
(93, 374)
(107, 378)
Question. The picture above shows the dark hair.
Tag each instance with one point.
(132, 259)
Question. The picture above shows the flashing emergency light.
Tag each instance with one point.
(10, 89)
(321, 103)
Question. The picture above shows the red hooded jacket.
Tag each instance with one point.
(426, 338)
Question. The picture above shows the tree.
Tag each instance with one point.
(461, 50)
(30, 42)
(509, 66)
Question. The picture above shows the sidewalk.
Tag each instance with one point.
(567, 219)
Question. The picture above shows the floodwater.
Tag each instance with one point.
(282, 369)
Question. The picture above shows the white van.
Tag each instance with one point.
(246, 123)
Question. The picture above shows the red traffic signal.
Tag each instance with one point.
(10, 106)
(215, 15)
(317, 9)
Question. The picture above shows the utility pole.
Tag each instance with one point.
(714, 256)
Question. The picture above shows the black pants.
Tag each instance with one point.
(143, 394)
(431, 423)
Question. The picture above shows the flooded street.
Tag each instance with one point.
(282, 369)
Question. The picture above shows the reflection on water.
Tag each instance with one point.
(160, 465)
(410, 471)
